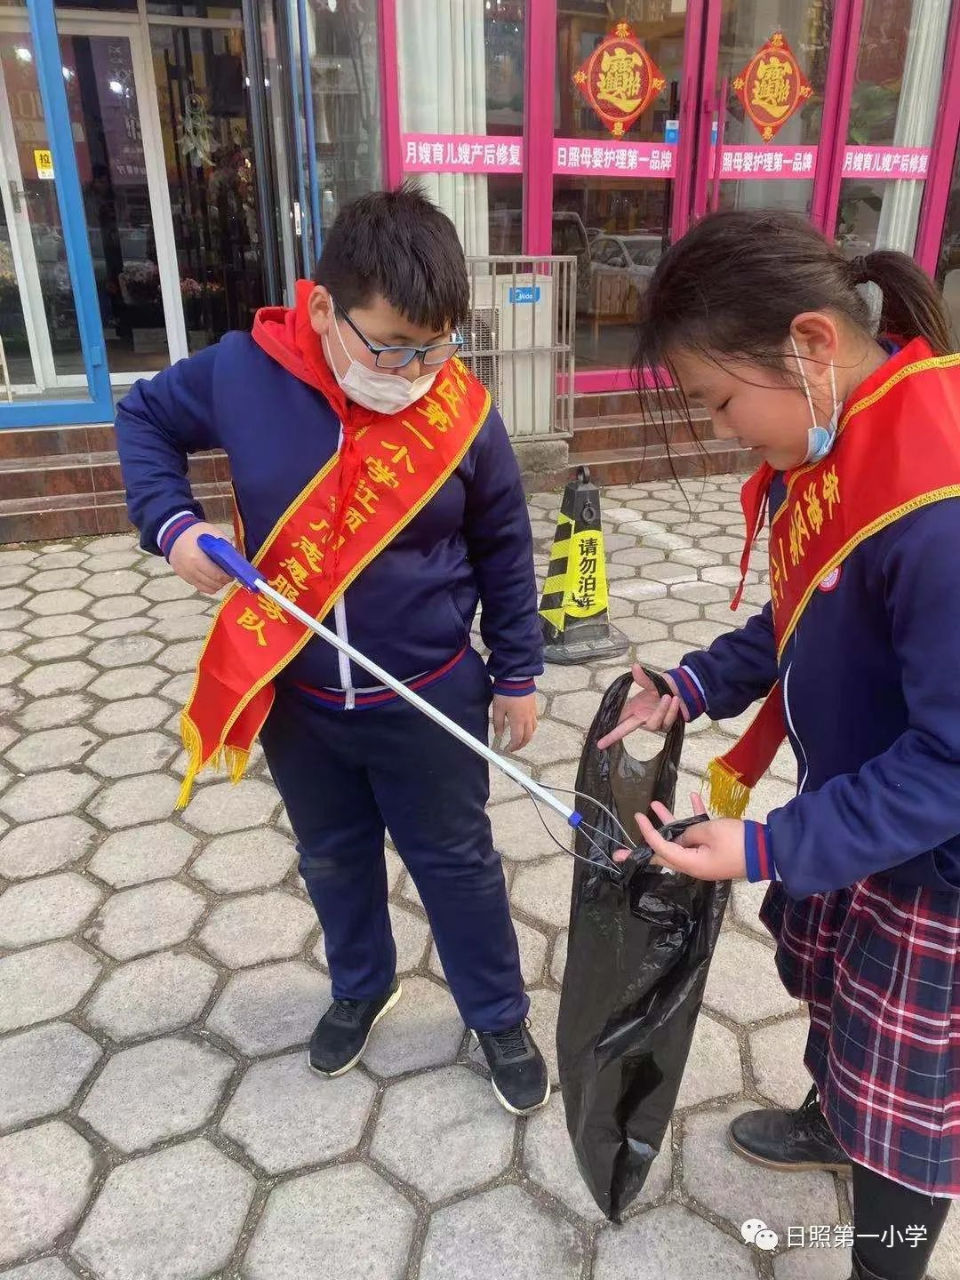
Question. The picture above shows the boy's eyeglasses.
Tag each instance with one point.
(399, 357)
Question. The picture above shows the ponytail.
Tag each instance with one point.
(912, 307)
(736, 281)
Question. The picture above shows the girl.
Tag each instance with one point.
(857, 656)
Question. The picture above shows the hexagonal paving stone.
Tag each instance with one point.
(780, 1199)
(59, 624)
(58, 602)
(116, 627)
(50, 907)
(169, 587)
(551, 742)
(544, 891)
(173, 1215)
(12, 668)
(45, 1269)
(257, 927)
(181, 657)
(134, 753)
(111, 560)
(192, 627)
(423, 1030)
(763, 997)
(151, 996)
(11, 575)
(533, 952)
(132, 715)
(503, 1232)
(813, 1263)
(713, 1067)
(945, 1262)
(777, 1055)
(119, 582)
(549, 1159)
(745, 902)
(45, 795)
(41, 1071)
(523, 830)
(272, 1008)
(52, 713)
(146, 853)
(37, 847)
(133, 800)
(58, 677)
(357, 1223)
(443, 1132)
(115, 608)
(245, 860)
(51, 748)
(43, 982)
(225, 806)
(284, 1116)
(127, 682)
(46, 1175)
(411, 933)
(670, 1243)
(125, 651)
(156, 1091)
(144, 919)
(56, 579)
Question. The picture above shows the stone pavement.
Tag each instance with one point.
(160, 973)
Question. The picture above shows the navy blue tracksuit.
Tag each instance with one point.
(350, 761)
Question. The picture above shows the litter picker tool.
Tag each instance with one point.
(224, 554)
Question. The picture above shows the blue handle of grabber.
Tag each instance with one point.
(225, 554)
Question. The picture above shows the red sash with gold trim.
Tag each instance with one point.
(897, 449)
(326, 537)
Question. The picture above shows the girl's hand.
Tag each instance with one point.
(646, 710)
(709, 851)
(519, 713)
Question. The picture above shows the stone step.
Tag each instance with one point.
(71, 515)
(684, 461)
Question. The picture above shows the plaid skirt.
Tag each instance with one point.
(879, 966)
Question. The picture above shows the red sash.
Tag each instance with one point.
(897, 449)
(386, 471)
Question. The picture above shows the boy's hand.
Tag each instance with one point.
(189, 563)
(520, 714)
(646, 710)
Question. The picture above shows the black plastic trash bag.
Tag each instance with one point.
(637, 961)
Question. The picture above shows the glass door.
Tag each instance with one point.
(881, 171)
(622, 156)
(51, 331)
(769, 92)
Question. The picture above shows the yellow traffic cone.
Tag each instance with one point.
(574, 607)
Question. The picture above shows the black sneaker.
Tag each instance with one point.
(790, 1140)
(341, 1035)
(518, 1072)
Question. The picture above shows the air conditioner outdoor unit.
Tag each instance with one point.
(512, 318)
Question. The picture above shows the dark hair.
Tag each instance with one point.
(733, 285)
(397, 244)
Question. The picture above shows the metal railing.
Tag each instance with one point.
(519, 340)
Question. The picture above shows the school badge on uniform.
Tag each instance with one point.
(619, 80)
(772, 86)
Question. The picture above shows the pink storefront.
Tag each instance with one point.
(602, 128)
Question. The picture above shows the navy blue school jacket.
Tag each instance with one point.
(412, 608)
(871, 687)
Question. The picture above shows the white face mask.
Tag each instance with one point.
(819, 438)
(386, 393)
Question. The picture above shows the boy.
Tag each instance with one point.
(375, 484)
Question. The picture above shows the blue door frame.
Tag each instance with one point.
(99, 407)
